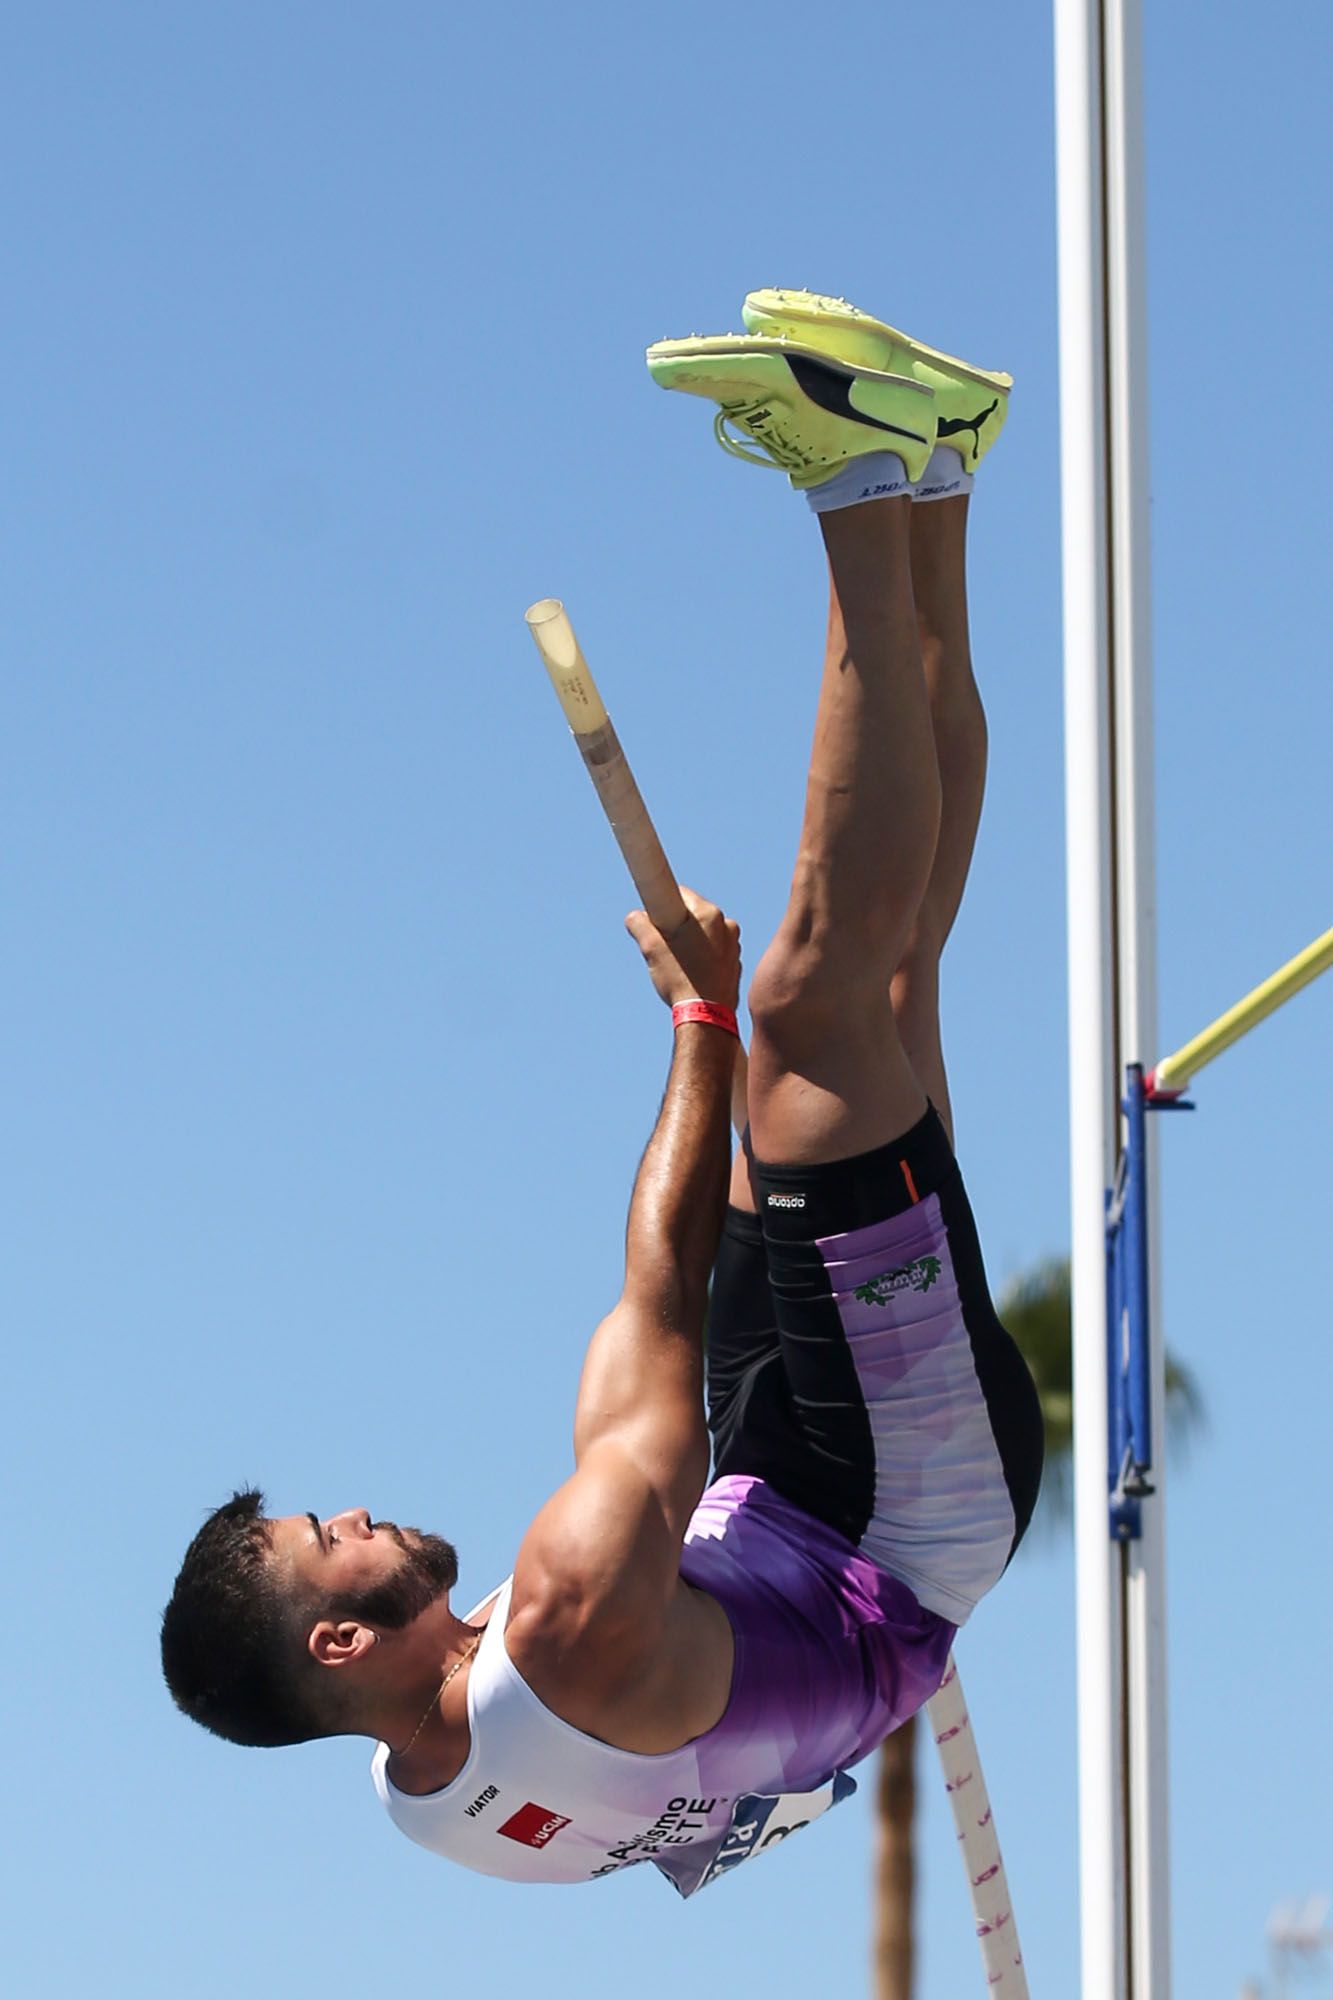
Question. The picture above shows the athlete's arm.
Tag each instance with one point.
(598, 1568)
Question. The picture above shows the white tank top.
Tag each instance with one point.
(831, 1654)
(597, 1808)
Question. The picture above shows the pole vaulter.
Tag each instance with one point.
(946, 1711)
(772, 1534)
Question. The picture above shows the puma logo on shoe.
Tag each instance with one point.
(950, 426)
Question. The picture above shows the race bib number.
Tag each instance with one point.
(761, 1820)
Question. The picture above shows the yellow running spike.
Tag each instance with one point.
(808, 412)
(970, 403)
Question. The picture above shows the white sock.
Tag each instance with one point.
(880, 475)
(944, 477)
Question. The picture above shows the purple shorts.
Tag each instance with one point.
(857, 1365)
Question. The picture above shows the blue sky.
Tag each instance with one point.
(331, 1062)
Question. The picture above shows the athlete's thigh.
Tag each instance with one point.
(757, 1430)
(829, 1083)
(748, 1408)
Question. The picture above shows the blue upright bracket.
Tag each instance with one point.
(1128, 1376)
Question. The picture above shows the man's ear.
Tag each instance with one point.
(341, 1645)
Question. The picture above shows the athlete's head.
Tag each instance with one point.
(263, 1608)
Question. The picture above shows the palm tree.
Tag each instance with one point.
(1037, 1310)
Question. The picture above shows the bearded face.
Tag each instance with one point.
(426, 1567)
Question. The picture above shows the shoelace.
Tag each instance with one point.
(729, 444)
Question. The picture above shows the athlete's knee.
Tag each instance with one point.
(916, 977)
(806, 985)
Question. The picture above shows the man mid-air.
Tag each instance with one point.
(680, 1671)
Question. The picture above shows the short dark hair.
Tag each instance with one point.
(232, 1640)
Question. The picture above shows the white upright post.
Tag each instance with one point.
(1144, 1578)
(1111, 903)
(1092, 1053)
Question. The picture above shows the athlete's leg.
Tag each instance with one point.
(825, 1041)
(958, 726)
(921, 1428)
(828, 1074)
(939, 585)
(844, 928)
(743, 1336)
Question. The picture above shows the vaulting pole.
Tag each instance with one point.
(607, 765)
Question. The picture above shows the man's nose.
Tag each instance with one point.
(355, 1521)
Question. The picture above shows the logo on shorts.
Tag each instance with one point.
(533, 1826)
(917, 1276)
(785, 1200)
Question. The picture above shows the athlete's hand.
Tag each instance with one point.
(700, 961)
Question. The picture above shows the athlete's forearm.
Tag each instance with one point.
(675, 1217)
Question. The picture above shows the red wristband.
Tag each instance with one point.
(708, 1011)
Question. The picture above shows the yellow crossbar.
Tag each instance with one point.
(1175, 1072)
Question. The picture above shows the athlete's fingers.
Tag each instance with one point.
(700, 908)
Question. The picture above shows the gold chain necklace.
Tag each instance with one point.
(438, 1696)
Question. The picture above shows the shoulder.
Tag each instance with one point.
(642, 1687)
(595, 1580)
(572, 1629)
(600, 1558)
